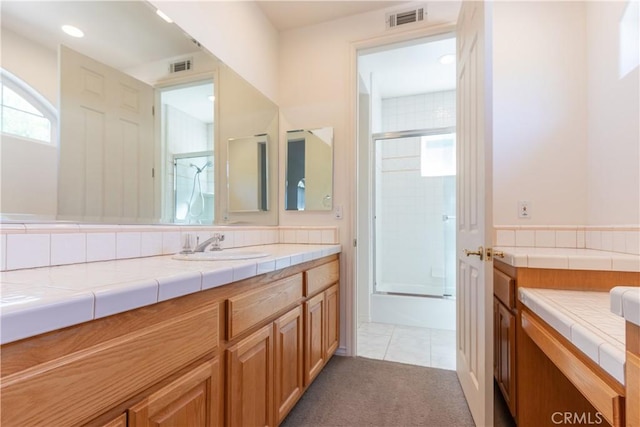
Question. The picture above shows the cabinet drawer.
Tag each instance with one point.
(251, 308)
(73, 388)
(504, 288)
(321, 277)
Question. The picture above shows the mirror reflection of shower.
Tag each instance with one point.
(193, 188)
(187, 132)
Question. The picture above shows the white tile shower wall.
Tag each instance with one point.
(423, 111)
(622, 239)
(41, 245)
(411, 234)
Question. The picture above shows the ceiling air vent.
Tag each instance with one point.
(184, 65)
(407, 17)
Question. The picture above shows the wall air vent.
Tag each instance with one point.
(396, 19)
(178, 66)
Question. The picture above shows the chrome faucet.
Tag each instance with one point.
(214, 242)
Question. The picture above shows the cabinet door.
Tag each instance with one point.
(314, 337)
(332, 319)
(120, 421)
(250, 380)
(288, 378)
(506, 350)
(190, 400)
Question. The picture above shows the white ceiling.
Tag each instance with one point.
(193, 100)
(286, 15)
(123, 34)
(410, 68)
(127, 34)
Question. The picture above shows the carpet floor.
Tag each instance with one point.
(354, 391)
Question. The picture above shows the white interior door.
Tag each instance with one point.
(106, 143)
(474, 285)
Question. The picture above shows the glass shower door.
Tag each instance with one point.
(414, 200)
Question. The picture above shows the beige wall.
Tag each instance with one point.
(613, 122)
(29, 168)
(237, 32)
(540, 112)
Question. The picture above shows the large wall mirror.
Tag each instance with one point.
(309, 176)
(139, 116)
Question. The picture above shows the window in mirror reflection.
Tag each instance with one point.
(309, 176)
(25, 113)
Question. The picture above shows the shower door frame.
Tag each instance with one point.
(381, 136)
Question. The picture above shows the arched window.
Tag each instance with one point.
(25, 113)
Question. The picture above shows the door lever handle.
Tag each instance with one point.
(479, 252)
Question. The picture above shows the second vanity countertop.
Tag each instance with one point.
(569, 259)
(39, 300)
(585, 319)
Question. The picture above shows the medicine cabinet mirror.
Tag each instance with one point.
(309, 176)
(247, 173)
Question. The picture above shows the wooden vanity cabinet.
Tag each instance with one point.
(268, 371)
(232, 355)
(504, 336)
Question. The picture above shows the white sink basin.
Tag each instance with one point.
(223, 255)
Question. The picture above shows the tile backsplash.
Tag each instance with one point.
(41, 245)
(622, 239)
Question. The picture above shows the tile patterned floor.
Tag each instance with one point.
(407, 344)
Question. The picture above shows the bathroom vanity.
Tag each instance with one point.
(239, 353)
(558, 347)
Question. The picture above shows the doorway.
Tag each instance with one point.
(407, 192)
(187, 134)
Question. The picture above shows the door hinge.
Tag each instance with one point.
(355, 243)
(153, 110)
(153, 172)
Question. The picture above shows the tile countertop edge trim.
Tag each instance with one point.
(99, 301)
(568, 259)
(625, 302)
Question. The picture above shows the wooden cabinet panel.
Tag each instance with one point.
(320, 277)
(504, 358)
(288, 378)
(250, 380)
(250, 308)
(504, 288)
(633, 389)
(332, 319)
(120, 421)
(76, 387)
(314, 337)
(190, 400)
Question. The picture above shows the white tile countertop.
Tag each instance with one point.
(583, 318)
(39, 300)
(569, 259)
(625, 302)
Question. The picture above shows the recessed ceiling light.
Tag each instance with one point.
(164, 16)
(73, 31)
(211, 98)
(447, 59)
